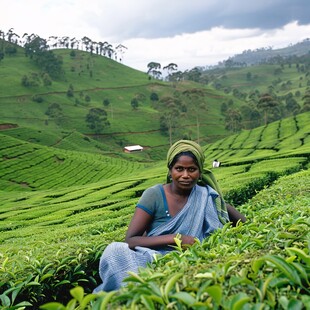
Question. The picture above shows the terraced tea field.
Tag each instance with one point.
(60, 208)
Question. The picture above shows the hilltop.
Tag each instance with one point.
(67, 188)
(126, 106)
(48, 112)
(268, 54)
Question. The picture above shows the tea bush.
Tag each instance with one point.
(261, 264)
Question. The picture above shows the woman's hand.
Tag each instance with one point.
(187, 241)
(234, 215)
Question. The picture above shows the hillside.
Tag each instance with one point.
(67, 190)
(91, 79)
(53, 112)
(60, 208)
(263, 55)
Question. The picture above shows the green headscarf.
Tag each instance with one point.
(207, 177)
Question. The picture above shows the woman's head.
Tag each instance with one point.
(188, 146)
(184, 171)
(181, 150)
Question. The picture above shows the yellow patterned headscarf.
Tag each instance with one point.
(207, 177)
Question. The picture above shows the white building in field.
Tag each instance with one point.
(133, 148)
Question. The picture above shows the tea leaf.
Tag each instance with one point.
(5, 300)
(53, 306)
(170, 283)
(87, 299)
(148, 302)
(134, 277)
(215, 292)
(300, 253)
(105, 299)
(238, 301)
(286, 268)
(184, 297)
(77, 293)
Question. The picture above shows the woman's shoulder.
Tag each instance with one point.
(155, 189)
(151, 196)
(207, 188)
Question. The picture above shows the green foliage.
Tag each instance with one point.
(212, 274)
(31, 80)
(97, 119)
(264, 263)
(134, 103)
(154, 97)
(64, 195)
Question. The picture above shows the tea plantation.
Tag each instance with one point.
(60, 208)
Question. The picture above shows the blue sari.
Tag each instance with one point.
(198, 218)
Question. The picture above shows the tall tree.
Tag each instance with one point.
(97, 119)
(172, 67)
(120, 51)
(266, 103)
(306, 100)
(233, 120)
(86, 41)
(170, 115)
(196, 102)
(154, 69)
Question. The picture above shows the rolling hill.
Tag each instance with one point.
(88, 80)
(251, 57)
(50, 198)
(93, 79)
(67, 191)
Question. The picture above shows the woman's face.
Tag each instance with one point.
(185, 173)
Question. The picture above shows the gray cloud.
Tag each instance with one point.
(160, 18)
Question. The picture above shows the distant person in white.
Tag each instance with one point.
(216, 163)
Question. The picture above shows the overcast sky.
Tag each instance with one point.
(186, 32)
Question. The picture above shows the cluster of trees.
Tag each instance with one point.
(155, 70)
(174, 108)
(261, 109)
(39, 50)
(96, 118)
(10, 39)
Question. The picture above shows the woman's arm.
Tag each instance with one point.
(234, 215)
(135, 235)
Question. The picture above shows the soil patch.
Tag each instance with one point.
(7, 126)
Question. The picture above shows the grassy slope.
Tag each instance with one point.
(61, 219)
(52, 188)
(263, 76)
(108, 80)
(102, 78)
(44, 179)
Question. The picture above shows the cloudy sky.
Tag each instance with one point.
(186, 32)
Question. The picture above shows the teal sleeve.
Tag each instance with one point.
(150, 199)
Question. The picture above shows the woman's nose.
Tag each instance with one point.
(185, 173)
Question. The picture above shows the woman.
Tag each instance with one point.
(189, 204)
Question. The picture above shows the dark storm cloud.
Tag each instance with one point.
(161, 18)
(263, 14)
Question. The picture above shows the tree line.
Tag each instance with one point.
(39, 50)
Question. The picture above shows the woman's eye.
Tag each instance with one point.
(180, 169)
